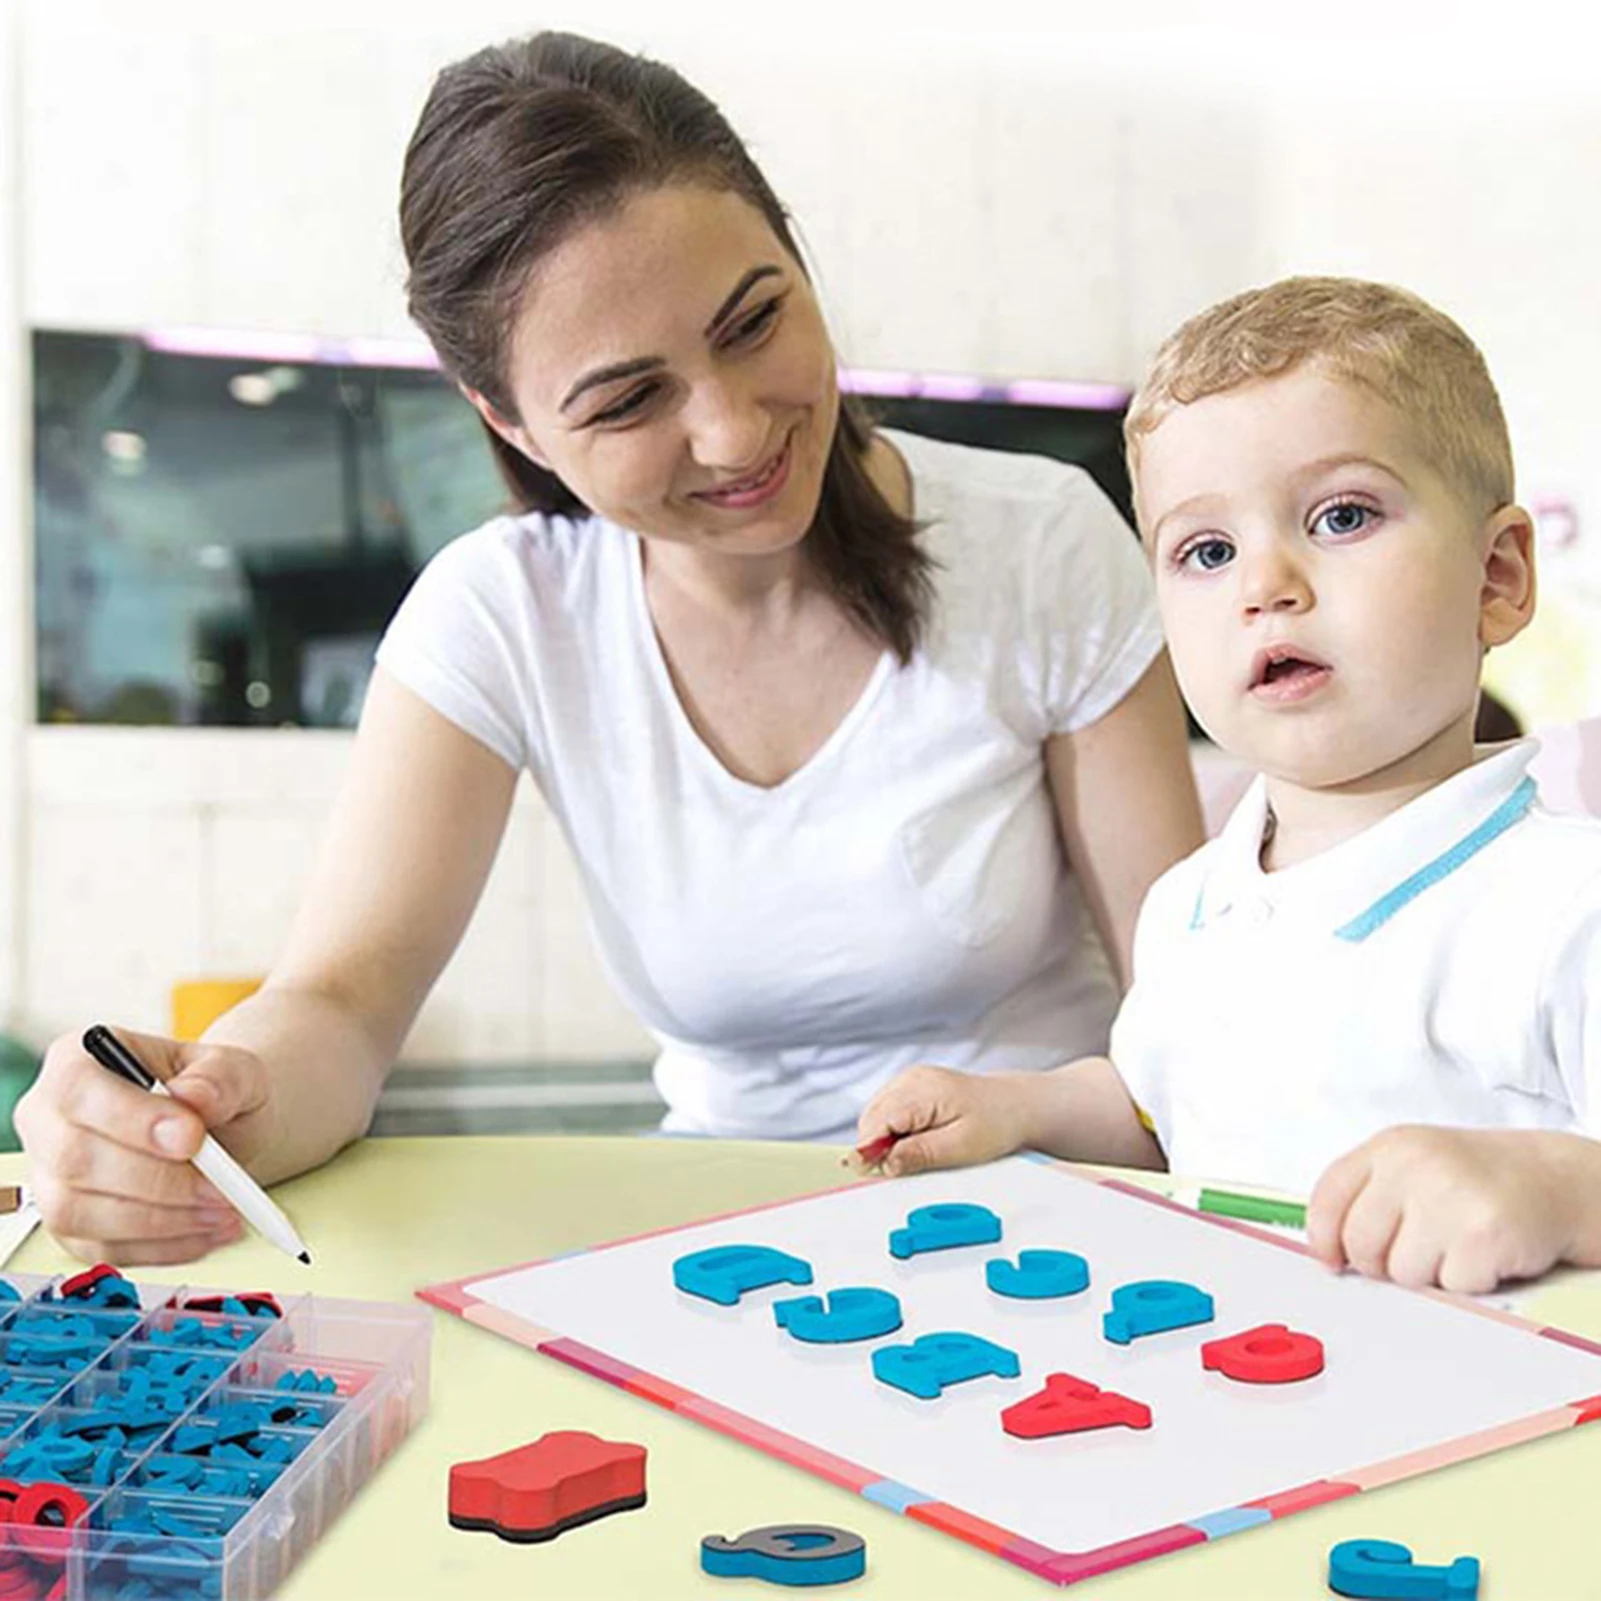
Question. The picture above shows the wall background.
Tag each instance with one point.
(1006, 200)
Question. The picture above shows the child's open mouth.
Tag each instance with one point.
(1282, 673)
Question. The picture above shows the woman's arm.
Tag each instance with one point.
(408, 850)
(1126, 803)
(291, 1075)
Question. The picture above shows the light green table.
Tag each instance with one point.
(391, 1215)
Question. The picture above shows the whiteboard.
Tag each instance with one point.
(1408, 1374)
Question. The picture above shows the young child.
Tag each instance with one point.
(1381, 984)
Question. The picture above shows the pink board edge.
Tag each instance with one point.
(786, 1447)
(1286, 1503)
(1072, 1566)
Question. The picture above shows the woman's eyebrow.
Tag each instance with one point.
(726, 310)
(642, 364)
(606, 375)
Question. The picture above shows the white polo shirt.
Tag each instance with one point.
(1442, 967)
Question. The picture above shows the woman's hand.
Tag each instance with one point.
(1461, 1208)
(940, 1118)
(109, 1163)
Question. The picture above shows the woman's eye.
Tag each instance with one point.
(1345, 518)
(627, 406)
(1206, 554)
(754, 325)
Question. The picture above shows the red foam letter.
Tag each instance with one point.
(1271, 1354)
(1067, 1405)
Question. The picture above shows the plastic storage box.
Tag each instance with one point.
(201, 1450)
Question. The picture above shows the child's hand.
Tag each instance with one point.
(940, 1118)
(1462, 1208)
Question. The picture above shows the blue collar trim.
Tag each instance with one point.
(1510, 811)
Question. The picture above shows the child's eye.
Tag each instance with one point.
(1344, 518)
(1207, 553)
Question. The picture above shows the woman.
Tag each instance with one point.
(865, 745)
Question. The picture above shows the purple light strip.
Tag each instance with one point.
(220, 342)
(955, 386)
(875, 381)
(1056, 392)
(254, 345)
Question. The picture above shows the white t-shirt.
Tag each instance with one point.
(904, 896)
(1442, 967)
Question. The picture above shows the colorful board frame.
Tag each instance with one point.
(1558, 1376)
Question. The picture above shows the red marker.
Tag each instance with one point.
(874, 1152)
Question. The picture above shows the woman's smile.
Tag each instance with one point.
(756, 489)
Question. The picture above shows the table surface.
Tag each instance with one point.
(390, 1216)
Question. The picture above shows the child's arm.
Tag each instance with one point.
(941, 1118)
(1462, 1208)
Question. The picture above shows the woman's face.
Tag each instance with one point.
(670, 366)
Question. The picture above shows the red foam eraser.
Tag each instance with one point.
(537, 1491)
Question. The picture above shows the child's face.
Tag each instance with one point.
(1320, 585)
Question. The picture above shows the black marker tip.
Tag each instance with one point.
(305, 1256)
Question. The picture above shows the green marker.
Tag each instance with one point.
(1253, 1208)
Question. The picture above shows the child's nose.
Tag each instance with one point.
(1274, 583)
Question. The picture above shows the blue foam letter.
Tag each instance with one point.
(938, 1228)
(929, 1363)
(854, 1314)
(1381, 1568)
(1152, 1306)
(725, 1272)
(1038, 1275)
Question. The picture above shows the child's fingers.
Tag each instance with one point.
(1469, 1268)
(906, 1105)
(921, 1153)
(1416, 1253)
(1370, 1227)
(1341, 1183)
(959, 1141)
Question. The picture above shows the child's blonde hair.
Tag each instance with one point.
(1385, 339)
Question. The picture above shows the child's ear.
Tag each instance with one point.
(514, 434)
(1506, 601)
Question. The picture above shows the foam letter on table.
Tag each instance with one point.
(854, 1314)
(725, 1272)
(787, 1553)
(536, 1491)
(938, 1228)
(1068, 1406)
(1383, 1569)
(929, 1363)
(1153, 1306)
(1038, 1275)
(1271, 1354)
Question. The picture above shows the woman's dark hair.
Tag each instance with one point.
(521, 144)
